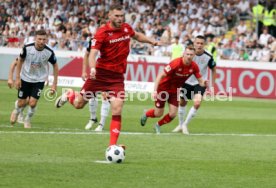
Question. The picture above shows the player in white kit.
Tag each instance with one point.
(31, 73)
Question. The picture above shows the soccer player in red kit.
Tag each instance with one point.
(167, 86)
(112, 43)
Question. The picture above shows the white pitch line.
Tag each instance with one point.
(133, 133)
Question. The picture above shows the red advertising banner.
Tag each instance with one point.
(246, 82)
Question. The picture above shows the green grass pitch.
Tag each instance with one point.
(233, 144)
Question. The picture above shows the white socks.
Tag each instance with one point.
(190, 115)
(104, 111)
(30, 113)
(181, 114)
(17, 108)
(93, 104)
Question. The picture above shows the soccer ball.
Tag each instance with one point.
(115, 154)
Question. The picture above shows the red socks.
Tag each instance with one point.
(71, 95)
(150, 113)
(115, 128)
(165, 119)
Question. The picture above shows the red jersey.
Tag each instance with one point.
(114, 47)
(177, 74)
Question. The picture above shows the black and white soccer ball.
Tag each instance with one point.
(115, 154)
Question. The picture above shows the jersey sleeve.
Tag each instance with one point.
(23, 53)
(97, 41)
(211, 63)
(170, 68)
(53, 59)
(196, 71)
(131, 31)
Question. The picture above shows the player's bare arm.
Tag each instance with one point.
(202, 83)
(84, 66)
(11, 71)
(156, 83)
(92, 62)
(18, 70)
(214, 75)
(142, 38)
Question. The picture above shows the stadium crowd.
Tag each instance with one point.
(71, 23)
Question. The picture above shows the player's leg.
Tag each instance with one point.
(192, 112)
(198, 96)
(93, 104)
(154, 112)
(22, 95)
(31, 110)
(173, 107)
(74, 98)
(181, 114)
(104, 113)
(18, 109)
(36, 89)
(20, 118)
(115, 124)
(185, 94)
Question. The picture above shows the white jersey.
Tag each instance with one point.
(35, 67)
(203, 61)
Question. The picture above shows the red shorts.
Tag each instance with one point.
(106, 81)
(164, 96)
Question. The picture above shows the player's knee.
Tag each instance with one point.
(116, 110)
(197, 104)
(182, 102)
(158, 113)
(172, 114)
(32, 103)
(78, 105)
(21, 103)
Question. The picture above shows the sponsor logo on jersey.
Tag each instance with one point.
(127, 37)
(36, 65)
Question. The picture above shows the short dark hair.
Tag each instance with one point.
(40, 32)
(116, 7)
(190, 47)
(200, 37)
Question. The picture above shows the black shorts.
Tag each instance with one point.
(188, 91)
(29, 89)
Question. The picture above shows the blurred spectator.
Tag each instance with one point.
(176, 49)
(244, 8)
(242, 28)
(243, 55)
(263, 40)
